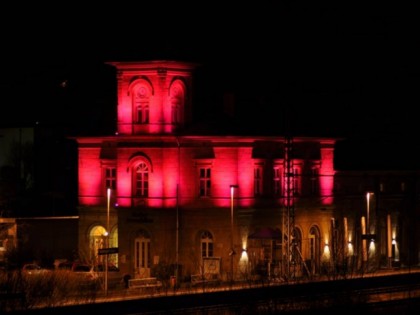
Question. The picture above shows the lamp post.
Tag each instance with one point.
(108, 201)
(368, 194)
(368, 233)
(232, 251)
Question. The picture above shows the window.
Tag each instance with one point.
(296, 246)
(292, 181)
(313, 247)
(206, 244)
(258, 180)
(141, 105)
(97, 240)
(177, 99)
(142, 113)
(175, 113)
(277, 181)
(296, 182)
(142, 180)
(110, 177)
(205, 181)
(315, 181)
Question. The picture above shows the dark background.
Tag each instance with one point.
(343, 70)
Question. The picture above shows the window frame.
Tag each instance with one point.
(258, 179)
(204, 174)
(143, 180)
(206, 244)
(109, 180)
(141, 103)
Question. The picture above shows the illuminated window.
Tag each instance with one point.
(292, 180)
(141, 105)
(97, 240)
(110, 177)
(177, 100)
(258, 181)
(141, 180)
(277, 181)
(205, 181)
(206, 244)
(175, 113)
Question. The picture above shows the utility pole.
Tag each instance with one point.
(288, 218)
(108, 200)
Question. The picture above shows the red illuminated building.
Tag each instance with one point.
(226, 206)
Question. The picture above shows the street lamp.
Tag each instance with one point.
(368, 194)
(232, 251)
(108, 201)
(368, 236)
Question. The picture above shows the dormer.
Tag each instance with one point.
(154, 97)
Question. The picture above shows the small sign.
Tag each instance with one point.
(107, 251)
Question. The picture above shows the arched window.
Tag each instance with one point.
(206, 244)
(141, 99)
(97, 240)
(297, 246)
(177, 98)
(141, 180)
(314, 249)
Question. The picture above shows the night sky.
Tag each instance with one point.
(336, 70)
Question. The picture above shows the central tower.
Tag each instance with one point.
(153, 97)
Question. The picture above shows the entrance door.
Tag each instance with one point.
(142, 257)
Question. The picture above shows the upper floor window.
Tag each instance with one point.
(205, 180)
(277, 181)
(141, 100)
(292, 181)
(206, 244)
(177, 100)
(175, 113)
(258, 180)
(110, 177)
(141, 180)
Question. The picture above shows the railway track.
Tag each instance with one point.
(357, 296)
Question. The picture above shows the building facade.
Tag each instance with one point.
(235, 207)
